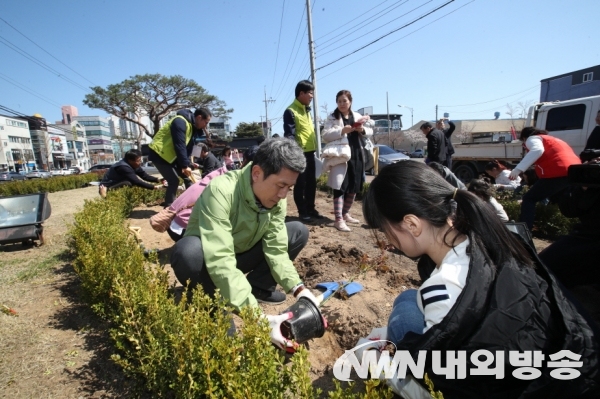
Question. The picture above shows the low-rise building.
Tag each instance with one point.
(16, 150)
(98, 137)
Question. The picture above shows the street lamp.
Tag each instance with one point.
(411, 113)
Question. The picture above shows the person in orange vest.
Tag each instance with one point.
(552, 158)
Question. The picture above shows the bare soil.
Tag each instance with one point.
(56, 347)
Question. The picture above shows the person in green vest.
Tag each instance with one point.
(297, 125)
(172, 146)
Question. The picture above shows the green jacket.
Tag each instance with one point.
(162, 142)
(228, 221)
(305, 130)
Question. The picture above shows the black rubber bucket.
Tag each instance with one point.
(306, 324)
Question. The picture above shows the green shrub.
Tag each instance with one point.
(51, 185)
(549, 221)
(177, 349)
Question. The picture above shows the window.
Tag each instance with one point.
(566, 118)
(21, 140)
(588, 77)
(10, 122)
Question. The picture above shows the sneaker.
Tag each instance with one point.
(315, 214)
(341, 225)
(350, 219)
(304, 216)
(270, 297)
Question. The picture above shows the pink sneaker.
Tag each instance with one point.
(341, 225)
(350, 219)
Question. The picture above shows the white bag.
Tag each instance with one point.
(338, 149)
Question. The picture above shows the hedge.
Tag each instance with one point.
(178, 349)
(51, 185)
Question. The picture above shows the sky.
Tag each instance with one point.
(470, 58)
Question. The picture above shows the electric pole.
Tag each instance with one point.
(436, 110)
(311, 51)
(270, 100)
(389, 122)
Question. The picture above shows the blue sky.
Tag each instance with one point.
(486, 53)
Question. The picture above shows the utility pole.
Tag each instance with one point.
(270, 100)
(313, 74)
(389, 122)
(436, 110)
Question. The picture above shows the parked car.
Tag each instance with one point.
(57, 172)
(388, 156)
(150, 168)
(402, 151)
(75, 170)
(417, 153)
(10, 176)
(38, 174)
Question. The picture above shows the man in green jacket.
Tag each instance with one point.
(238, 226)
(297, 125)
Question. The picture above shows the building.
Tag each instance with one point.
(576, 84)
(77, 146)
(16, 149)
(68, 112)
(220, 126)
(98, 135)
(57, 145)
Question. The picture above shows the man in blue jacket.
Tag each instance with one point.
(128, 172)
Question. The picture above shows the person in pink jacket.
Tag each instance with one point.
(346, 178)
(185, 202)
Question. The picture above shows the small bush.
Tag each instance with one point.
(51, 185)
(175, 349)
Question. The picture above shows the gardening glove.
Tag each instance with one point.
(276, 337)
(378, 334)
(305, 292)
(514, 174)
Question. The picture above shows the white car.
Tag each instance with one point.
(57, 172)
(150, 168)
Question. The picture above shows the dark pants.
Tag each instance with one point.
(448, 162)
(171, 172)
(187, 260)
(305, 188)
(541, 189)
(574, 259)
(124, 183)
(174, 236)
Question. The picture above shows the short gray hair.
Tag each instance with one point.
(278, 153)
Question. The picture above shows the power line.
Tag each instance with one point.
(345, 25)
(28, 90)
(387, 34)
(290, 57)
(30, 118)
(397, 40)
(36, 61)
(490, 101)
(367, 22)
(40, 47)
(278, 42)
(371, 31)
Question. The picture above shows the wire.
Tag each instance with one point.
(27, 89)
(365, 24)
(36, 61)
(278, 42)
(490, 101)
(387, 34)
(31, 118)
(351, 21)
(290, 57)
(395, 41)
(22, 34)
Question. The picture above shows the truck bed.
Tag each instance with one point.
(512, 151)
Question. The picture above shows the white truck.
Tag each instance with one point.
(571, 121)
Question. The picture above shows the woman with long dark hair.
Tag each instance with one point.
(346, 178)
(486, 291)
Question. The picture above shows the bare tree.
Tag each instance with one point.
(466, 128)
(523, 107)
(415, 137)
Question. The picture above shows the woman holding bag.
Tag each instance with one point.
(345, 127)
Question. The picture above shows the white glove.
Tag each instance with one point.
(378, 334)
(276, 337)
(309, 295)
(514, 174)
